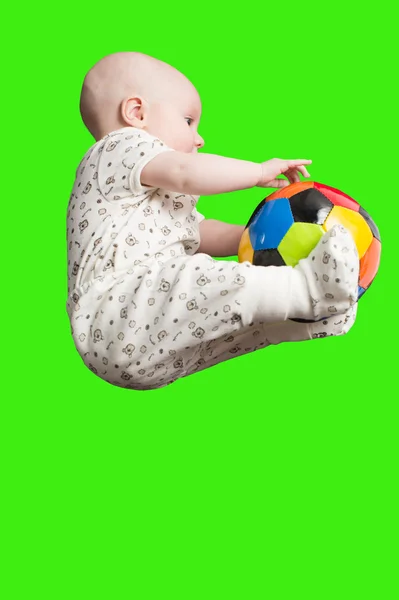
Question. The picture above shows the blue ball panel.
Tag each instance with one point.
(360, 291)
(271, 224)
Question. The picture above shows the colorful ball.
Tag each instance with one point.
(289, 223)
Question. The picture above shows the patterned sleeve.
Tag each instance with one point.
(200, 217)
(124, 155)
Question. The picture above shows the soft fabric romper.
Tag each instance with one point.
(146, 309)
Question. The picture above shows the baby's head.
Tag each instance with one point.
(133, 89)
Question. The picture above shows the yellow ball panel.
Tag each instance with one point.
(354, 223)
(299, 241)
(245, 250)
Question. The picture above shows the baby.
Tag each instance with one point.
(147, 302)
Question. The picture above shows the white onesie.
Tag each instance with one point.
(146, 309)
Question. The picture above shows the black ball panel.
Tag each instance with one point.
(268, 258)
(310, 206)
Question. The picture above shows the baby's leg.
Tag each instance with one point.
(260, 335)
(151, 328)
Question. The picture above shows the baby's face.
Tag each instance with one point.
(176, 121)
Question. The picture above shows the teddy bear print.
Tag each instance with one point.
(87, 188)
(177, 205)
(129, 349)
(131, 240)
(198, 333)
(112, 145)
(239, 280)
(162, 335)
(203, 280)
(165, 230)
(125, 376)
(235, 349)
(97, 335)
(235, 319)
(75, 268)
(110, 179)
(148, 211)
(192, 304)
(165, 286)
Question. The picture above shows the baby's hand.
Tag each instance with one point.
(278, 166)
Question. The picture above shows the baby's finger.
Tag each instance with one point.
(304, 171)
(299, 161)
(278, 183)
(292, 175)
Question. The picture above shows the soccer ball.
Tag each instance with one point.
(289, 223)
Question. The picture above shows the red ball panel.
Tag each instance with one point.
(337, 197)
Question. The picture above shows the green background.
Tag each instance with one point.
(273, 475)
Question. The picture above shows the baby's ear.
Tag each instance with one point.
(133, 111)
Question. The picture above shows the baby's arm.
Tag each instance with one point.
(207, 174)
(200, 174)
(219, 238)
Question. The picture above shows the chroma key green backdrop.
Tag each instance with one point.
(273, 475)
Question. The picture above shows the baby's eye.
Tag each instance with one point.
(189, 119)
